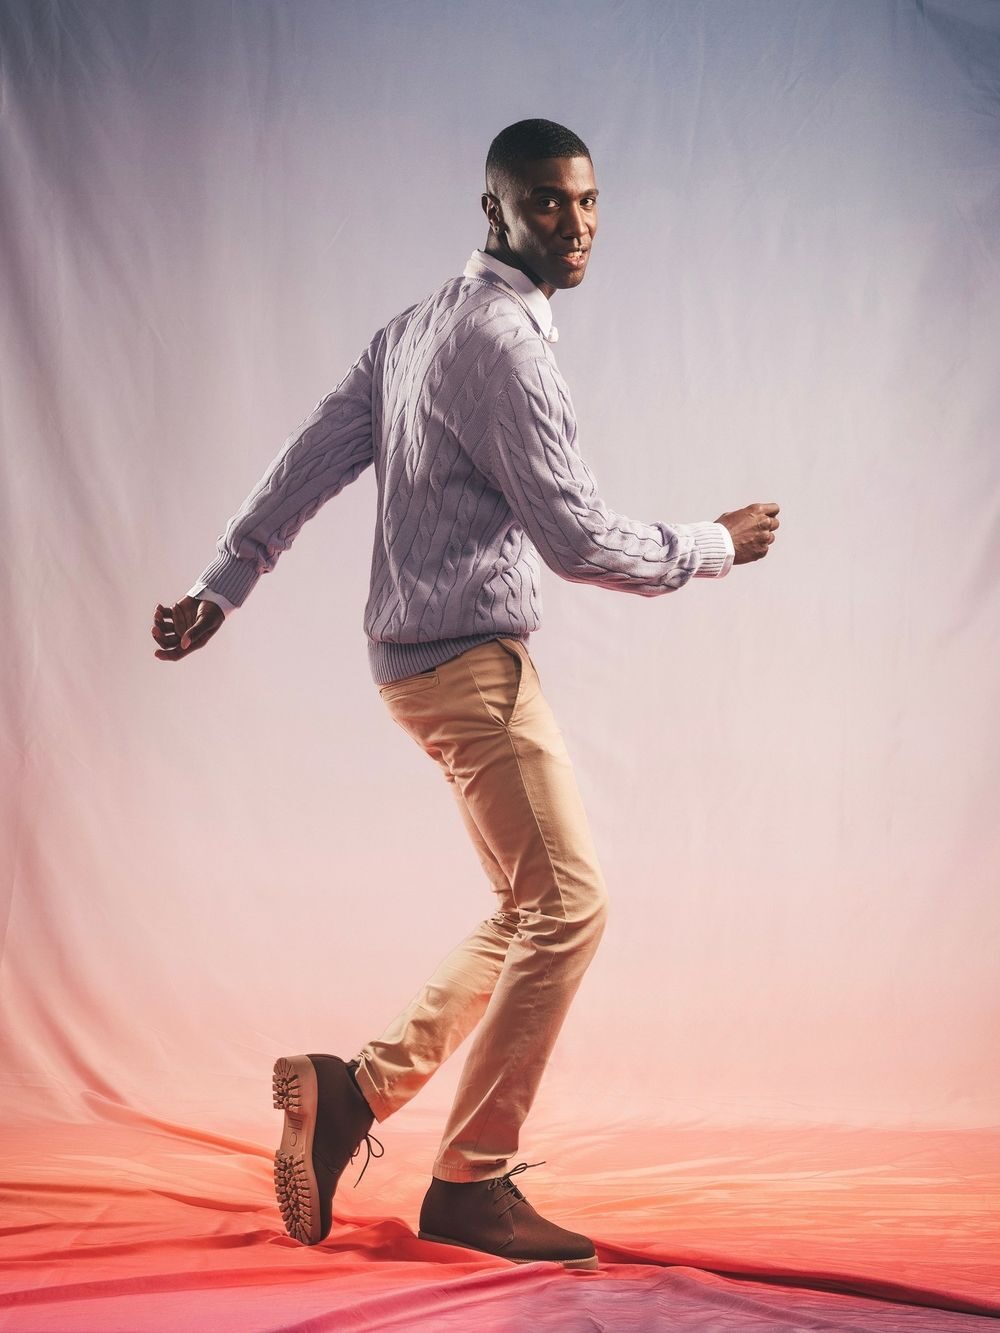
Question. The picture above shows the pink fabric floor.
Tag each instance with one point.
(123, 1225)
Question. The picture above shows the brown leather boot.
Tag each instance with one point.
(494, 1216)
(326, 1121)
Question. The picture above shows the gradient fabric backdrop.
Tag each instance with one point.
(793, 295)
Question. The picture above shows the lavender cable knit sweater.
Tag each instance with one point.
(460, 405)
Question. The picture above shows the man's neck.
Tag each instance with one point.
(500, 250)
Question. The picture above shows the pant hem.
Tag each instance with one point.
(464, 1175)
(379, 1106)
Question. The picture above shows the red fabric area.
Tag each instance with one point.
(126, 1224)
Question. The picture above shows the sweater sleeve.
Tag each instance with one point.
(536, 463)
(328, 451)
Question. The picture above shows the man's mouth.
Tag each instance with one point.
(573, 258)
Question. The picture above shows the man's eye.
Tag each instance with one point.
(589, 200)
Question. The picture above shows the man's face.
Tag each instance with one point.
(551, 209)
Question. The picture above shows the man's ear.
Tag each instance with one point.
(494, 212)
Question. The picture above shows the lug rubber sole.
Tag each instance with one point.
(590, 1262)
(295, 1092)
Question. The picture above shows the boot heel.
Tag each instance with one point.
(285, 1086)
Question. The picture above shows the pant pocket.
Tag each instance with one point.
(498, 670)
(400, 689)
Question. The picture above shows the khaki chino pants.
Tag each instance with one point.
(482, 717)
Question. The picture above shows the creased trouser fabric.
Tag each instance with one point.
(483, 718)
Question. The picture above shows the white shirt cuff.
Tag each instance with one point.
(208, 595)
(728, 538)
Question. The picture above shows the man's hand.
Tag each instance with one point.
(752, 530)
(185, 627)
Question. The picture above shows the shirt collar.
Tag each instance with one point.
(532, 296)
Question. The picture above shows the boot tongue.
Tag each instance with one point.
(508, 1196)
(507, 1186)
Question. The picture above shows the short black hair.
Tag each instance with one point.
(528, 141)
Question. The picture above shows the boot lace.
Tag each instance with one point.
(504, 1186)
(367, 1141)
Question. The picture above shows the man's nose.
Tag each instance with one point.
(575, 222)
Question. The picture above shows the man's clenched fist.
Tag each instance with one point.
(752, 530)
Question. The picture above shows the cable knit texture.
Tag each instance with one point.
(459, 404)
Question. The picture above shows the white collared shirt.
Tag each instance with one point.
(533, 297)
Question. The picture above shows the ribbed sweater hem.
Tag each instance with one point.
(393, 661)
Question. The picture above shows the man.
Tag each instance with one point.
(461, 408)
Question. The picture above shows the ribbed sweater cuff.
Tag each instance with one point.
(714, 544)
(230, 576)
(205, 594)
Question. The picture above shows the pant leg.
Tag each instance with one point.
(396, 1065)
(484, 719)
